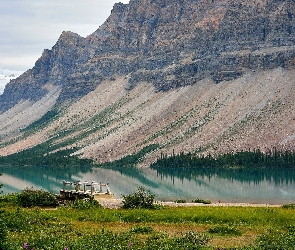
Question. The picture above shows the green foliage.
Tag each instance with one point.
(40, 156)
(57, 228)
(104, 240)
(225, 230)
(245, 159)
(180, 201)
(277, 239)
(289, 206)
(86, 203)
(30, 197)
(189, 240)
(200, 200)
(44, 120)
(18, 220)
(3, 232)
(141, 198)
(9, 199)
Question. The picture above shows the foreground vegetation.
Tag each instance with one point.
(86, 225)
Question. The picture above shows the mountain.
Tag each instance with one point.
(6, 75)
(191, 75)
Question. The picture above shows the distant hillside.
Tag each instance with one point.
(199, 76)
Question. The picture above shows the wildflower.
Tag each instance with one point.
(129, 245)
(25, 245)
(66, 248)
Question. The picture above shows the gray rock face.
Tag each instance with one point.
(168, 43)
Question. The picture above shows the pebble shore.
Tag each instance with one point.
(117, 203)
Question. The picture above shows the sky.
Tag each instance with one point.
(28, 27)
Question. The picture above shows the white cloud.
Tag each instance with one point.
(28, 27)
(6, 76)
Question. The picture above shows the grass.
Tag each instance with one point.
(226, 227)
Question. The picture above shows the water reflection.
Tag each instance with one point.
(255, 186)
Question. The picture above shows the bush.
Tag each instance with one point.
(141, 198)
(30, 197)
(180, 201)
(200, 200)
(225, 230)
(86, 203)
(289, 206)
(10, 199)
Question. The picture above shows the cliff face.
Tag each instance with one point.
(168, 44)
(175, 43)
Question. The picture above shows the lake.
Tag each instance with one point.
(253, 186)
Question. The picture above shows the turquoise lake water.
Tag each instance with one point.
(254, 186)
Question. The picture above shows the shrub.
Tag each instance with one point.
(288, 206)
(9, 199)
(141, 198)
(86, 203)
(180, 201)
(30, 197)
(225, 230)
(200, 200)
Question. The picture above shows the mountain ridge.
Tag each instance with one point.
(153, 50)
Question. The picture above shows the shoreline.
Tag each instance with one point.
(117, 203)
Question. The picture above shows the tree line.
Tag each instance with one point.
(244, 159)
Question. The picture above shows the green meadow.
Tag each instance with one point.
(87, 225)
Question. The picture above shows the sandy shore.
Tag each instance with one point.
(117, 203)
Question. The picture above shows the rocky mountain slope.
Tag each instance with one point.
(210, 76)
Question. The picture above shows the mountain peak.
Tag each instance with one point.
(197, 66)
(167, 41)
(68, 37)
